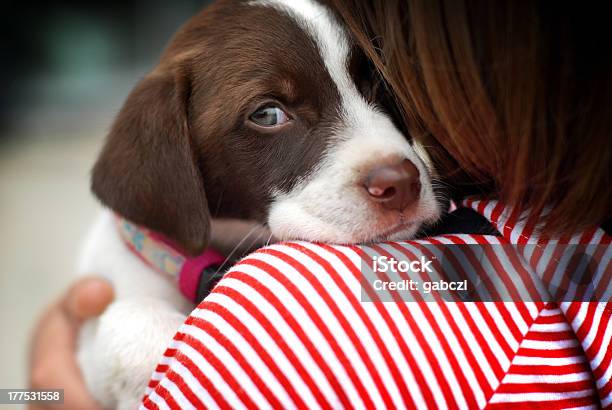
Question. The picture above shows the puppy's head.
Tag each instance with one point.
(262, 110)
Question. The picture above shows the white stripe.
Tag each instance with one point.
(293, 342)
(407, 335)
(269, 344)
(157, 376)
(550, 327)
(486, 333)
(520, 285)
(532, 307)
(370, 311)
(230, 364)
(245, 348)
(158, 400)
(513, 378)
(603, 349)
(548, 251)
(432, 339)
(605, 378)
(467, 267)
(592, 332)
(195, 385)
(329, 319)
(547, 361)
(578, 320)
(549, 344)
(517, 316)
(319, 305)
(215, 377)
(503, 326)
(607, 401)
(519, 227)
(550, 312)
(463, 363)
(603, 271)
(500, 285)
(535, 397)
(568, 252)
(488, 209)
(473, 344)
(176, 394)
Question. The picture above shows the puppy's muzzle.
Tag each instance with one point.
(396, 186)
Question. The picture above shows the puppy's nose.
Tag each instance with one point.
(395, 186)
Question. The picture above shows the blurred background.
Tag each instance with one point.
(68, 65)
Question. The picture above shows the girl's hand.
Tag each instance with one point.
(53, 362)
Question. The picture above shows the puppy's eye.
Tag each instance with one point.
(269, 116)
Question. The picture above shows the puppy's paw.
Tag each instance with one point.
(119, 350)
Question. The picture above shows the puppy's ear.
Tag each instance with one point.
(147, 171)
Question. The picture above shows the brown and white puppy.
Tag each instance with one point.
(257, 110)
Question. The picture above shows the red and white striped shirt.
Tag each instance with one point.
(287, 327)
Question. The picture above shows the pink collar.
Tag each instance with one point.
(163, 256)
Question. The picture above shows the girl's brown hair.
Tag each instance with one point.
(513, 98)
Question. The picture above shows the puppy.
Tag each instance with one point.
(259, 110)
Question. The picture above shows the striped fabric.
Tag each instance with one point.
(287, 328)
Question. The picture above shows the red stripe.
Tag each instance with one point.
(510, 224)
(552, 319)
(473, 362)
(407, 353)
(606, 275)
(416, 330)
(322, 326)
(276, 336)
(214, 361)
(161, 368)
(361, 313)
(552, 353)
(571, 310)
(231, 348)
(494, 328)
(203, 380)
(185, 389)
(149, 404)
(241, 328)
(605, 390)
(496, 212)
(167, 396)
(526, 369)
(475, 264)
(528, 228)
(598, 344)
(501, 272)
(298, 329)
(551, 336)
(587, 321)
(540, 387)
(502, 309)
(443, 381)
(485, 346)
(482, 342)
(598, 340)
(588, 400)
(520, 270)
(433, 322)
